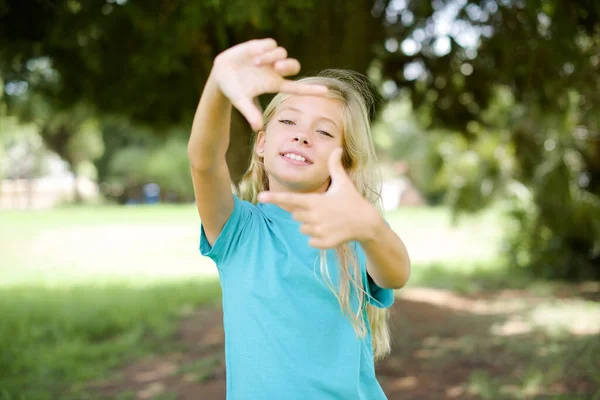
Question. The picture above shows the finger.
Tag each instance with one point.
(336, 169)
(316, 231)
(305, 89)
(302, 215)
(279, 53)
(260, 46)
(288, 201)
(309, 230)
(287, 67)
(250, 112)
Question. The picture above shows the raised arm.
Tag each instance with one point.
(207, 146)
(239, 75)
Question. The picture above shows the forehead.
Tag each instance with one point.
(317, 107)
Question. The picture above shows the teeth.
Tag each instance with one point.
(295, 157)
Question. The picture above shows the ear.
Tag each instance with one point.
(261, 140)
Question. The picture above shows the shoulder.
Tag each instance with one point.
(235, 233)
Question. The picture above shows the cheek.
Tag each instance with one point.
(273, 137)
(328, 148)
(271, 153)
(272, 146)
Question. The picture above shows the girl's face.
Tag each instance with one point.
(298, 141)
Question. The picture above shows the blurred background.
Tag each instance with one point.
(489, 141)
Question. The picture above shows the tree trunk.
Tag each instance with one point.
(76, 193)
(29, 192)
(77, 197)
(238, 154)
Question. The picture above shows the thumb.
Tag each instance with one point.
(336, 169)
(250, 111)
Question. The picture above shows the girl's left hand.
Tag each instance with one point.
(337, 216)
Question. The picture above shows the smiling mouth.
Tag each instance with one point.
(296, 157)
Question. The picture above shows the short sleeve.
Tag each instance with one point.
(378, 296)
(231, 235)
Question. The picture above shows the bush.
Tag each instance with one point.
(165, 165)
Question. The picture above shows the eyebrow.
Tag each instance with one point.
(319, 116)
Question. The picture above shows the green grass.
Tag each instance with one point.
(75, 245)
(539, 363)
(509, 345)
(100, 244)
(201, 369)
(84, 289)
(52, 338)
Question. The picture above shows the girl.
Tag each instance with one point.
(306, 262)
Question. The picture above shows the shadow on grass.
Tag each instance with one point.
(468, 277)
(166, 341)
(508, 344)
(448, 346)
(54, 338)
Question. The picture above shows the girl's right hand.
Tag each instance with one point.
(247, 70)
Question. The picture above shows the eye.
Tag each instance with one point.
(286, 122)
(325, 133)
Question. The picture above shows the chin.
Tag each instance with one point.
(295, 182)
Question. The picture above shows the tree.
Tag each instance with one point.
(509, 80)
(520, 82)
(149, 60)
(72, 134)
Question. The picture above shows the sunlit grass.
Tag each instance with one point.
(108, 244)
(82, 289)
(74, 245)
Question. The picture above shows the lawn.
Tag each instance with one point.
(144, 244)
(84, 290)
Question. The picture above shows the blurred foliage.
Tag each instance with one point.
(489, 98)
(118, 134)
(555, 212)
(165, 164)
(72, 132)
(21, 149)
(5, 127)
(507, 93)
(149, 60)
(160, 53)
(22, 153)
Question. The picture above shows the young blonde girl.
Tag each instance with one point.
(306, 262)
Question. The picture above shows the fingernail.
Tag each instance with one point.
(257, 61)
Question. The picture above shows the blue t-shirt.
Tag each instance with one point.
(286, 336)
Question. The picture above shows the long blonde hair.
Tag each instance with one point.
(360, 161)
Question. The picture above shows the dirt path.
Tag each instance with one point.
(443, 344)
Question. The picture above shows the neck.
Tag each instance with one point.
(276, 185)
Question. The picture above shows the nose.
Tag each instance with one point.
(302, 138)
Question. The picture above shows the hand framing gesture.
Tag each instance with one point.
(337, 216)
(250, 69)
